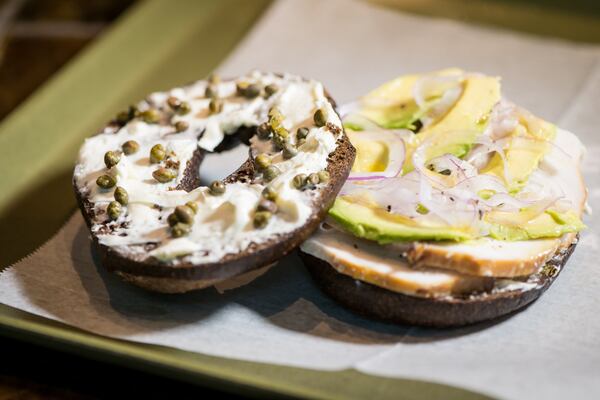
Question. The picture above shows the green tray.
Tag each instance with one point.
(156, 45)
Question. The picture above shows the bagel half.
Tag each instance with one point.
(188, 263)
(461, 207)
(379, 303)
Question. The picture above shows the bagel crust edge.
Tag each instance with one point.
(377, 303)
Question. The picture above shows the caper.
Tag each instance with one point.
(172, 219)
(298, 181)
(323, 176)
(217, 188)
(193, 206)
(210, 92)
(271, 173)
(261, 219)
(113, 210)
(241, 87)
(313, 179)
(280, 141)
(302, 133)
(262, 161)
(164, 175)
(150, 116)
(121, 195)
(184, 214)
(281, 132)
(215, 106)
(157, 153)
(180, 229)
(264, 131)
(111, 158)
(269, 193)
(133, 111)
(106, 181)
(446, 172)
(123, 117)
(252, 91)
(214, 79)
(271, 89)
(181, 126)
(320, 117)
(173, 102)
(289, 151)
(180, 107)
(275, 114)
(300, 142)
(130, 147)
(267, 205)
(184, 108)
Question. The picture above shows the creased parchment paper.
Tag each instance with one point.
(551, 350)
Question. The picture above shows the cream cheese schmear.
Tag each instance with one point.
(223, 223)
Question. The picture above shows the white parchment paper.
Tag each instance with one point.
(551, 350)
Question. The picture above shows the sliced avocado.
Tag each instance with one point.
(455, 134)
(550, 224)
(373, 223)
(377, 224)
(457, 130)
(400, 116)
(526, 149)
(371, 155)
(400, 89)
(392, 104)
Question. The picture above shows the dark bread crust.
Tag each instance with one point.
(378, 303)
(184, 276)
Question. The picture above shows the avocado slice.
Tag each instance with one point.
(550, 224)
(392, 105)
(371, 155)
(458, 129)
(529, 143)
(373, 223)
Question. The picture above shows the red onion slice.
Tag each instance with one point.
(484, 146)
(503, 120)
(434, 85)
(452, 211)
(458, 169)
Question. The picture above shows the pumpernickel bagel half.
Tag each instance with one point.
(137, 182)
(461, 207)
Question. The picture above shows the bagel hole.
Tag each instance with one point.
(217, 166)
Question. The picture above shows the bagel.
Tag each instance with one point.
(461, 207)
(153, 224)
(483, 300)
